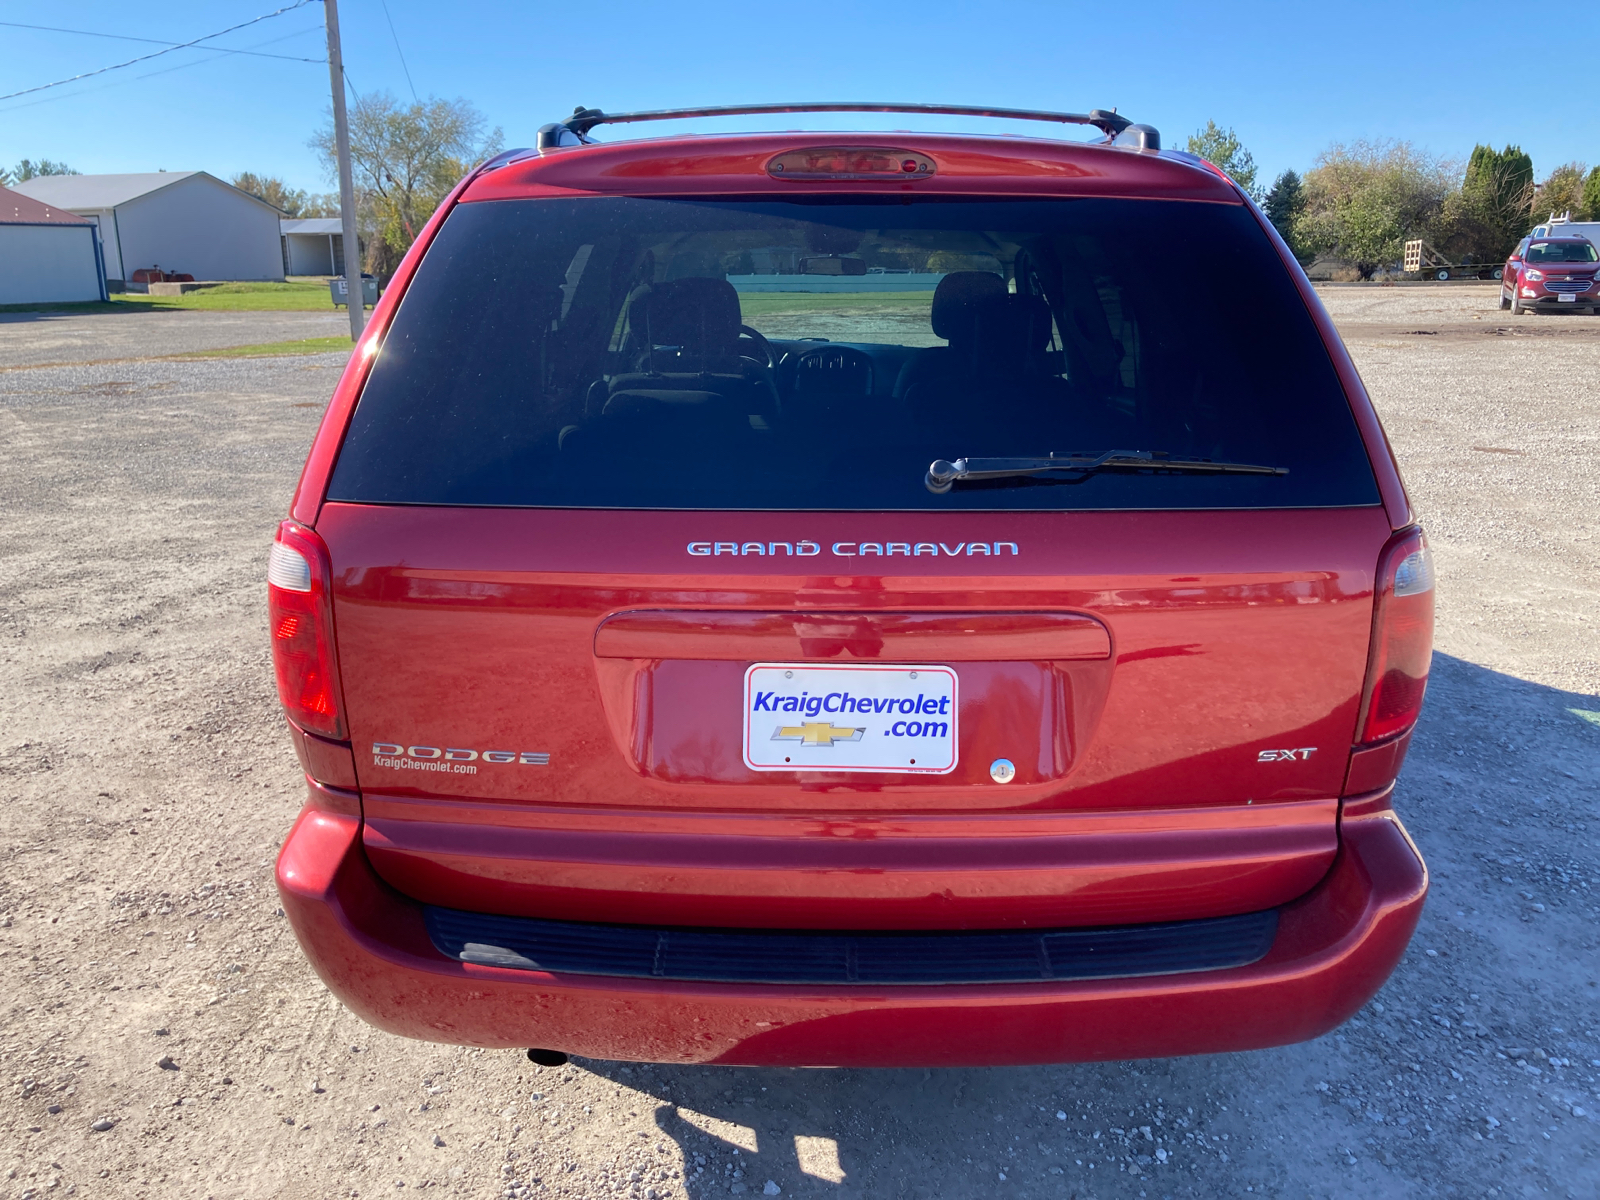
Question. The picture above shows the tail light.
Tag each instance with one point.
(1402, 638)
(300, 609)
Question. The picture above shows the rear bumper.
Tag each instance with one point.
(1334, 948)
(777, 870)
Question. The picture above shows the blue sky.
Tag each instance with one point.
(1290, 78)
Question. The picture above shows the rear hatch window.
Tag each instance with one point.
(819, 354)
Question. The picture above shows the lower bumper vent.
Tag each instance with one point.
(792, 957)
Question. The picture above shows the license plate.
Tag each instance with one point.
(1566, 299)
(866, 718)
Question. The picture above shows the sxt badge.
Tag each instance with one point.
(1301, 754)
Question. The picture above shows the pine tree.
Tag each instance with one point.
(1283, 204)
(1591, 197)
(1223, 150)
(1498, 193)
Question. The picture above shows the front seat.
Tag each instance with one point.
(683, 334)
(683, 387)
(956, 304)
(687, 325)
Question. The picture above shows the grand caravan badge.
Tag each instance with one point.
(857, 718)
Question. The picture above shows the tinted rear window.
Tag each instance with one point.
(813, 355)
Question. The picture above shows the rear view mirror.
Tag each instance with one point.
(833, 265)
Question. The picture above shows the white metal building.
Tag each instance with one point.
(185, 222)
(47, 256)
(313, 246)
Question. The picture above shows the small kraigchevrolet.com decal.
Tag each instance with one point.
(451, 760)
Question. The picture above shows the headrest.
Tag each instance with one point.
(700, 314)
(955, 298)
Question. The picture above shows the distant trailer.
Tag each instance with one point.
(1422, 259)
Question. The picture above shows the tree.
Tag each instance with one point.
(28, 169)
(1591, 196)
(1504, 176)
(320, 204)
(292, 202)
(405, 161)
(1561, 192)
(1495, 204)
(1365, 200)
(1223, 150)
(1283, 205)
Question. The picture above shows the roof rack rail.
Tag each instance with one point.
(575, 129)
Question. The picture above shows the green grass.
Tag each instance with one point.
(762, 304)
(295, 295)
(321, 345)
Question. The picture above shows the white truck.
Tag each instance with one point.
(1565, 226)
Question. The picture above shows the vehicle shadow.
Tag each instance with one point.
(906, 1132)
(89, 308)
(1203, 1126)
(1490, 732)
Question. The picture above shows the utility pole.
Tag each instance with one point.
(355, 301)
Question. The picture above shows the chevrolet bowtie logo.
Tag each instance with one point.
(816, 733)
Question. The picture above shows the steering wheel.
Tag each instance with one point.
(769, 359)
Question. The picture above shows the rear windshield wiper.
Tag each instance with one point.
(1069, 468)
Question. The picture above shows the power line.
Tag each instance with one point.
(399, 51)
(158, 53)
(123, 37)
(213, 54)
(208, 55)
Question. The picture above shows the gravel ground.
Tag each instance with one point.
(39, 339)
(162, 1036)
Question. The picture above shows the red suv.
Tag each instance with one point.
(801, 598)
(1551, 273)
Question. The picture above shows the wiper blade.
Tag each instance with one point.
(1068, 468)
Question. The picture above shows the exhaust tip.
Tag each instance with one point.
(547, 1058)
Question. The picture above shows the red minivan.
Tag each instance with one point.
(851, 599)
